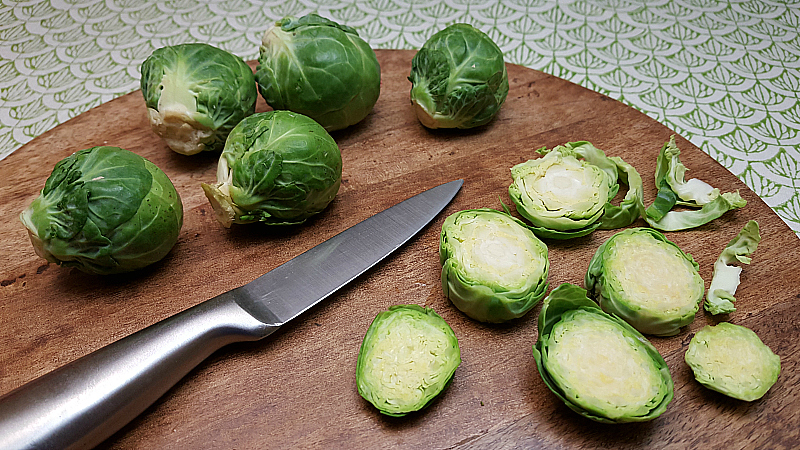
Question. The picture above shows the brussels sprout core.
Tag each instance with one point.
(731, 359)
(494, 268)
(407, 358)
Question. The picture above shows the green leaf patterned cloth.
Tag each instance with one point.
(725, 74)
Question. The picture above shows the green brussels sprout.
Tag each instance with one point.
(731, 359)
(640, 276)
(458, 79)
(195, 94)
(725, 280)
(319, 68)
(597, 364)
(104, 210)
(278, 168)
(673, 190)
(494, 268)
(567, 193)
(408, 356)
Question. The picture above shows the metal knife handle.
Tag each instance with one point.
(83, 403)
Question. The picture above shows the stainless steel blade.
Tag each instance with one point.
(292, 288)
(84, 402)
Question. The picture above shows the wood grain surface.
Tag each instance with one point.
(296, 389)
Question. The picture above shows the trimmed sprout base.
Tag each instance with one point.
(407, 358)
(731, 359)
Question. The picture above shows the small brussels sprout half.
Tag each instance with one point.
(408, 356)
(647, 280)
(731, 359)
(567, 193)
(278, 168)
(494, 268)
(459, 79)
(674, 190)
(105, 210)
(318, 68)
(597, 364)
(725, 280)
(195, 94)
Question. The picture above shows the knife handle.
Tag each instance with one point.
(84, 402)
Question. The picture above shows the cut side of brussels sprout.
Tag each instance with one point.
(278, 168)
(318, 68)
(725, 280)
(195, 94)
(597, 364)
(647, 280)
(568, 192)
(105, 210)
(408, 356)
(494, 269)
(731, 359)
(459, 79)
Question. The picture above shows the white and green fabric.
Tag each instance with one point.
(724, 74)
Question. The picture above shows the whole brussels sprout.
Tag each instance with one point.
(458, 78)
(277, 167)
(408, 356)
(642, 277)
(318, 68)
(597, 364)
(494, 268)
(731, 359)
(195, 94)
(567, 193)
(105, 210)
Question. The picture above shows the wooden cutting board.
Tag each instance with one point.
(296, 389)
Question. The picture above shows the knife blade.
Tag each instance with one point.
(84, 402)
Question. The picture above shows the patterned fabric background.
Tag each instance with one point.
(723, 74)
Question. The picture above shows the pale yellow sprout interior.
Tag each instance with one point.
(175, 119)
(406, 360)
(653, 275)
(499, 252)
(566, 184)
(599, 366)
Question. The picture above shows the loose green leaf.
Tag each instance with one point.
(720, 297)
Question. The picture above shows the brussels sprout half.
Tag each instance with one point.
(647, 280)
(494, 269)
(195, 94)
(408, 356)
(731, 359)
(105, 210)
(567, 193)
(597, 364)
(278, 168)
(318, 68)
(459, 79)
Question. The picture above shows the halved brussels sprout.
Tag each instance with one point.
(278, 168)
(647, 280)
(719, 299)
(674, 190)
(195, 94)
(567, 193)
(318, 68)
(597, 364)
(458, 78)
(408, 356)
(494, 268)
(731, 359)
(105, 210)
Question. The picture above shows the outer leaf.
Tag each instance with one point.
(719, 299)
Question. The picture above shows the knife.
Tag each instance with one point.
(84, 402)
